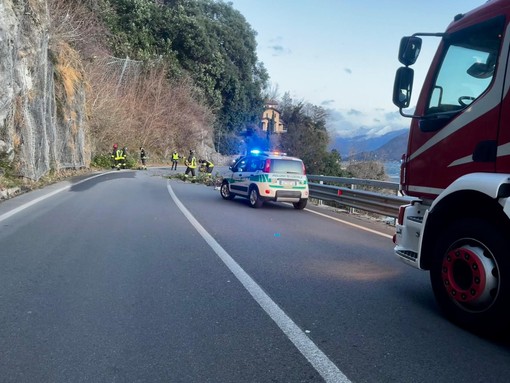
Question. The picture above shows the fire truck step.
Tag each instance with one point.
(408, 254)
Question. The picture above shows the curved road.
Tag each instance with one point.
(131, 277)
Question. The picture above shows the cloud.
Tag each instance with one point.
(277, 48)
(354, 112)
(392, 116)
(353, 122)
(348, 70)
(327, 102)
(335, 115)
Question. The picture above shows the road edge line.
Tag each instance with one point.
(9, 214)
(351, 224)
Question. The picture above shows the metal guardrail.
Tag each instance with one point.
(328, 189)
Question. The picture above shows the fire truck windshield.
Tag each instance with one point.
(467, 67)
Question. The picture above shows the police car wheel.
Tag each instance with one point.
(301, 204)
(225, 191)
(254, 198)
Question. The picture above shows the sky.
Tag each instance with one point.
(343, 54)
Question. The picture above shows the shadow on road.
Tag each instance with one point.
(107, 177)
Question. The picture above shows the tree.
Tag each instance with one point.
(367, 169)
(207, 40)
(332, 164)
(308, 138)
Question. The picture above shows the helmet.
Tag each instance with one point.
(191, 152)
(115, 146)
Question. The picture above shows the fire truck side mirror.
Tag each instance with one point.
(409, 50)
(403, 87)
(481, 70)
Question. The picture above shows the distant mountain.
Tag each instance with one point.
(393, 149)
(387, 147)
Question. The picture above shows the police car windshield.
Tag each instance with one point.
(286, 166)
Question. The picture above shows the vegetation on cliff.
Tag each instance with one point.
(202, 51)
(168, 75)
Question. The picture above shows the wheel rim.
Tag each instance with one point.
(224, 190)
(470, 276)
(253, 196)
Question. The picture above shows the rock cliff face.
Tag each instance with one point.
(42, 94)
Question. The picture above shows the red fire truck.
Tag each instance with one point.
(457, 166)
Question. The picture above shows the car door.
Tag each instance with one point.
(240, 179)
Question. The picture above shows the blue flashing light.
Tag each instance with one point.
(270, 153)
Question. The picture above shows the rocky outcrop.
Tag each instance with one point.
(42, 97)
(9, 193)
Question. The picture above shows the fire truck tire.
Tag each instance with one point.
(254, 197)
(225, 191)
(470, 276)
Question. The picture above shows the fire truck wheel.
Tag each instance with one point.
(254, 197)
(470, 275)
(225, 191)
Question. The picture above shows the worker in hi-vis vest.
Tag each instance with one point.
(175, 160)
(191, 163)
(119, 156)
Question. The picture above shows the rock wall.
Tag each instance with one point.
(42, 97)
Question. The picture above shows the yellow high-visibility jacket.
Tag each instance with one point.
(193, 163)
(119, 154)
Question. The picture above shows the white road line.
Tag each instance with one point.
(9, 214)
(324, 366)
(351, 224)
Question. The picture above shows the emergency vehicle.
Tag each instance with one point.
(267, 176)
(457, 166)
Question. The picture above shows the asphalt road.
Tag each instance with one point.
(130, 277)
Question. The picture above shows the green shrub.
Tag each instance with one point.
(131, 163)
(102, 161)
(105, 161)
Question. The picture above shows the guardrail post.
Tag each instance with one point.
(320, 201)
(351, 209)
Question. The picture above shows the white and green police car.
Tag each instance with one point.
(262, 176)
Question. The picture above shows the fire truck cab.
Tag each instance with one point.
(457, 166)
